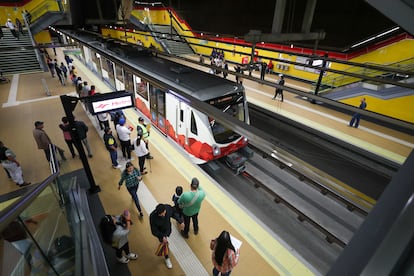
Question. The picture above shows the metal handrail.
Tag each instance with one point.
(10, 213)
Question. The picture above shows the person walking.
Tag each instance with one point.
(111, 146)
(3, 157)
(124, 137)
(160, 222)
(65, 127)
(224, 255)
(64, 70)
(357, 116)
(120, 242)
(279, 91)
(82, 129)
(19, 26)
(190, 202)
(144, 132)
(9, 24)
(141, 152)
(13, 167)
(43, 141)
(132, 177)
(51, 66)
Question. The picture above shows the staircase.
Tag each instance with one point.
(172, 43)
(17, 55)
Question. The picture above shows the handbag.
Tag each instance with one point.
(162, 249)
(131, 147)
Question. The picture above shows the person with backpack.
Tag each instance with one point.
(132, 177)
(115, 230)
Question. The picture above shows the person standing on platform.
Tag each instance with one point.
(51, 66)
(4, 158)
(103, 119)
(64, 70)
(82, 129)
(263, 68)
(176, 196)
(120, 237)
(279, 91)
(357, 116)
(141, 152)
(160, 222)
(59, 73)
(13, 167)
(144, 132)
(124, 137)
(43, 141)
(111, 146)
(190, 202)
(132, 177)
(224, 256)
(226, 68)
(65, 127)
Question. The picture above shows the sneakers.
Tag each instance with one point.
(117, 166)
(195, 232)
(141, 214)
(132, 256)
(123, 260)
(168, 263)
(149, 157)
(90, 155)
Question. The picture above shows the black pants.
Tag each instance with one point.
(187, 220)
(126, 148)
(118, 251)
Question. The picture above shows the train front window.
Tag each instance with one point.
(221, 133)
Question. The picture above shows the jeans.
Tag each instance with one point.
(114, 157)
(133, 191)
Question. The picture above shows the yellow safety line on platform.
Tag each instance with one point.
(278, 255)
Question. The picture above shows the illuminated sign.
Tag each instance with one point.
(99, 103)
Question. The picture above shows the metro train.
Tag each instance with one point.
(155, 81)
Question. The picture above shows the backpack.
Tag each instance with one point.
(107, 229)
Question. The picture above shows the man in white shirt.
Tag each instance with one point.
(124, 137)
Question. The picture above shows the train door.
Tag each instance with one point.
(157, 108)
(182, 129)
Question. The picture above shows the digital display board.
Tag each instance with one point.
(100, 103)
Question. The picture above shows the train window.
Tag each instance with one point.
(181, 115)
(141, 87)
(119, 73)
(193, 124)
(129, 81)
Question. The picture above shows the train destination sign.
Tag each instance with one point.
(100, 103)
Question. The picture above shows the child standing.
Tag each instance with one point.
(175, 198)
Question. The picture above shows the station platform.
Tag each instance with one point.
(24, 101)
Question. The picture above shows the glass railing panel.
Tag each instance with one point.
(43, 244)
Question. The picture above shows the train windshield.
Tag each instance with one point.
(233, 106)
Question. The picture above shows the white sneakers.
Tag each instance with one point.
(132, 256)
(168, 263)
(117, 167)
(125, 259)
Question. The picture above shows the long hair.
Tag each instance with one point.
(223, 243)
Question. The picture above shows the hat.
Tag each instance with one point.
(122, 121)
(160, 208)
(38, 123)
(140, 119)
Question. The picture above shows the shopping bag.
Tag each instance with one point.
(162, 249)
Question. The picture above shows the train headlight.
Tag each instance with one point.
(216, 150)
(245, 140)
